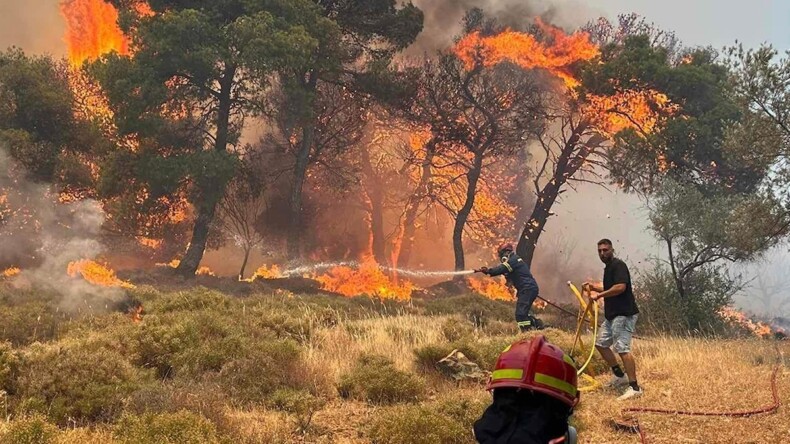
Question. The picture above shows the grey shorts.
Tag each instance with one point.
(617, 332)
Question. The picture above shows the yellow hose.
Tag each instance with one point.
(584, 313)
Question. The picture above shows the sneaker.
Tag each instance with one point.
(617, 381)
(630, 393)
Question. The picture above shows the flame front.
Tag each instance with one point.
(266, 272)
(736, 317)
(368, 279)
(91, 30)
(96, 274)
(492, 289)
(556, 55)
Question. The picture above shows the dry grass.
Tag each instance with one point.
(676, 373)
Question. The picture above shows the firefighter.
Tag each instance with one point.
(517, 273)
(535, 391)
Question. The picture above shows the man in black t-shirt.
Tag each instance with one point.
(620, 313)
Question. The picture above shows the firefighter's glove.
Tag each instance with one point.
(483, 270)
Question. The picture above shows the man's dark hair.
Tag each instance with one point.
(605, 242)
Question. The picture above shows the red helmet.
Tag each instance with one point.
(504, 247)
(535, 364)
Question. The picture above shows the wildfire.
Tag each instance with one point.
(629, 109)
(368, 279)
(136, 313)
(738, 318)
(96, 274)
(556, 55)
(201, 271)
(204, 271)
(92, 29)
(10, 272)
(266, 272)
(492, 289)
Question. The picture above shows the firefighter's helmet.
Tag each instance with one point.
(504, 248)
(535, 364)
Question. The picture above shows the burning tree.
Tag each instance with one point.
(194, 73)
(353, 41)
(476, 116)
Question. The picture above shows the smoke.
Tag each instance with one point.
(37, 27)
(443, 18)
(43, 236)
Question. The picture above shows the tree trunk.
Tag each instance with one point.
(210, 197)
(295, 230)
(472, 177)
(566, 166)
(404, 239)
(375, 205)
(244, 263)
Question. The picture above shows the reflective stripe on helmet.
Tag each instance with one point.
(558, 384)
(568, 359)
(507, 373)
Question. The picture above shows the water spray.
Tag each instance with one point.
(353, 264)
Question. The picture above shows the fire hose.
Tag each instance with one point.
(771, 408)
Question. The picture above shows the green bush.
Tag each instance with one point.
(189, 344)
(456, 330)
(464, 411)
(663, 310)
(376, 380)
(193, 300)
(204, 399)
(30, 430)
(300, 403)
(177, 428)
(79, 382)
(483, 352)
(271, 365)
(281, 323)
(27, 322)
(418, 425)
(9, 368)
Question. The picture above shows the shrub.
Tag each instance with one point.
(9, 368)
(300, 403)
(662, 309)
(418, 425)
(194, 300)
(271, 365)
(27, 322)
(181, 427)
(30, 430)
(456, 330)
(477, 309)
(376, 380)
(80, 382)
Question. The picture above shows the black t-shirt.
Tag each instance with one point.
(624, 304)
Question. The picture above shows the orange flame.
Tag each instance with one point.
(204, 271)
(640, 110)
(368, 279)
(266, 272)
(738, 318)
(92, 29)
(136, 313)
(492, 289)
(172, 264)
(201, 271)
(556, 55)
(10, 272)
(96, 274)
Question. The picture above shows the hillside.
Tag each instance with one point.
(206, 366)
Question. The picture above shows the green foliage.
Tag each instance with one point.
(271, 365)
(300, 403)
(453, 330)
(664, 310)
(79, 382)
(9, 368)
(180, 427)
(29, 430)
(376, 380)
(27, 322)
(418, 425)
